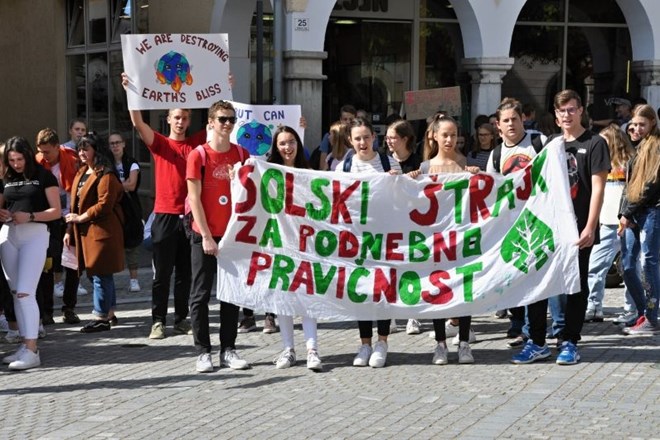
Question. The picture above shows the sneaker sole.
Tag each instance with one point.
(315, 367)
(246, 330)
(531, 361)
(577, 360)
(156, 336)
(269, 331)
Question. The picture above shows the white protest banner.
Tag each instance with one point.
(256, 124)
(344, 246)
(176, 70)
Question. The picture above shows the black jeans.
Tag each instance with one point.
(366, 330)
(203, 272)
(171, 254)
(576, 306)
(464, 323)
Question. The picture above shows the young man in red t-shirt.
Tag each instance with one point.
(208, 178)
(171, 247)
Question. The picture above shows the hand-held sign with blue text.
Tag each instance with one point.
(176, 70)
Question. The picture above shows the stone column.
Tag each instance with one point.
(303, 84)
(486, 74)
(649, 76)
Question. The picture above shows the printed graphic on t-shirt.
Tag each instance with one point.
(572, 166)
(515, 162)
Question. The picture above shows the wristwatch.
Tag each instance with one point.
(32, 216)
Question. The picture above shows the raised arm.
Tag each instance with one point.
(144, 130)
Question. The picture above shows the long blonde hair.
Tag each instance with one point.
(619, 145)
(646, 163)
(339, 139)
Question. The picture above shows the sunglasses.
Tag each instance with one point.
(225, 119)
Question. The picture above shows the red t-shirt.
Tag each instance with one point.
(170, 170)
(216, 186)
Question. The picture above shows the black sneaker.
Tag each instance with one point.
(47, 320)
(70, 317)
(114, 321)
(96, 326)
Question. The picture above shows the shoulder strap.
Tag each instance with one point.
(497, 156)
(424, 167)
(348, 161)
(385, 161)
(241, 153)
(537, 143)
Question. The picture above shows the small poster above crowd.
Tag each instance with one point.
(176, 70)
(255, 125)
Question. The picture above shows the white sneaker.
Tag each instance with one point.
(393, 327)
(42, 332)
(58, 289)
(81, 290)
(363, 355)
(230, 358)
(379, 355)
(314, 361)
(204, 363)
(26, 359)
(134, 285)
(413, 327)
(465, 353)
(13, 337)
(12, 357)
(451, 330)
(472, 338)
(4, 325)
(286, 359)
(440, 354)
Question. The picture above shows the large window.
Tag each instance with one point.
(561, 44)
(94, 64)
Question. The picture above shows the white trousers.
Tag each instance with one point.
(23, 253)
(286, 330)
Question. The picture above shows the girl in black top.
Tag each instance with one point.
(29, 197)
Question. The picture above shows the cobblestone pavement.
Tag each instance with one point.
(121, 385)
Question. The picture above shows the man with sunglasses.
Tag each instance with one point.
(208, 176)
(171, 247)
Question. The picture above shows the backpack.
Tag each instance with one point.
(348, 161)
(133, 225)
(497, 151)
(187, 211)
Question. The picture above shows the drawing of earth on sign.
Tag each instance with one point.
(173, 69)
(255, 137)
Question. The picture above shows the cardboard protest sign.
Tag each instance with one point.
(421, 104)
(344, 246)
(176, 70)
(256, 124)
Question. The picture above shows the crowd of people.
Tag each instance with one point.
(73, 209)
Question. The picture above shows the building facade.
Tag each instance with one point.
(64, 56)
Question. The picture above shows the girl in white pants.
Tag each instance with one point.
(287, 150)
(29, 197)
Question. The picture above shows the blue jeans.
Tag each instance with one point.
(105, 297)
(644, 238)
(602, 257)
(557, 306)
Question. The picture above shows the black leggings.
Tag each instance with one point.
(367, 331)
(464, 323)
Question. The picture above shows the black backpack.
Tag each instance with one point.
(348, 161)
(497, 151)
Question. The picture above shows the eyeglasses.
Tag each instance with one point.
(225, 119)
(566, 111)
(112, 144)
